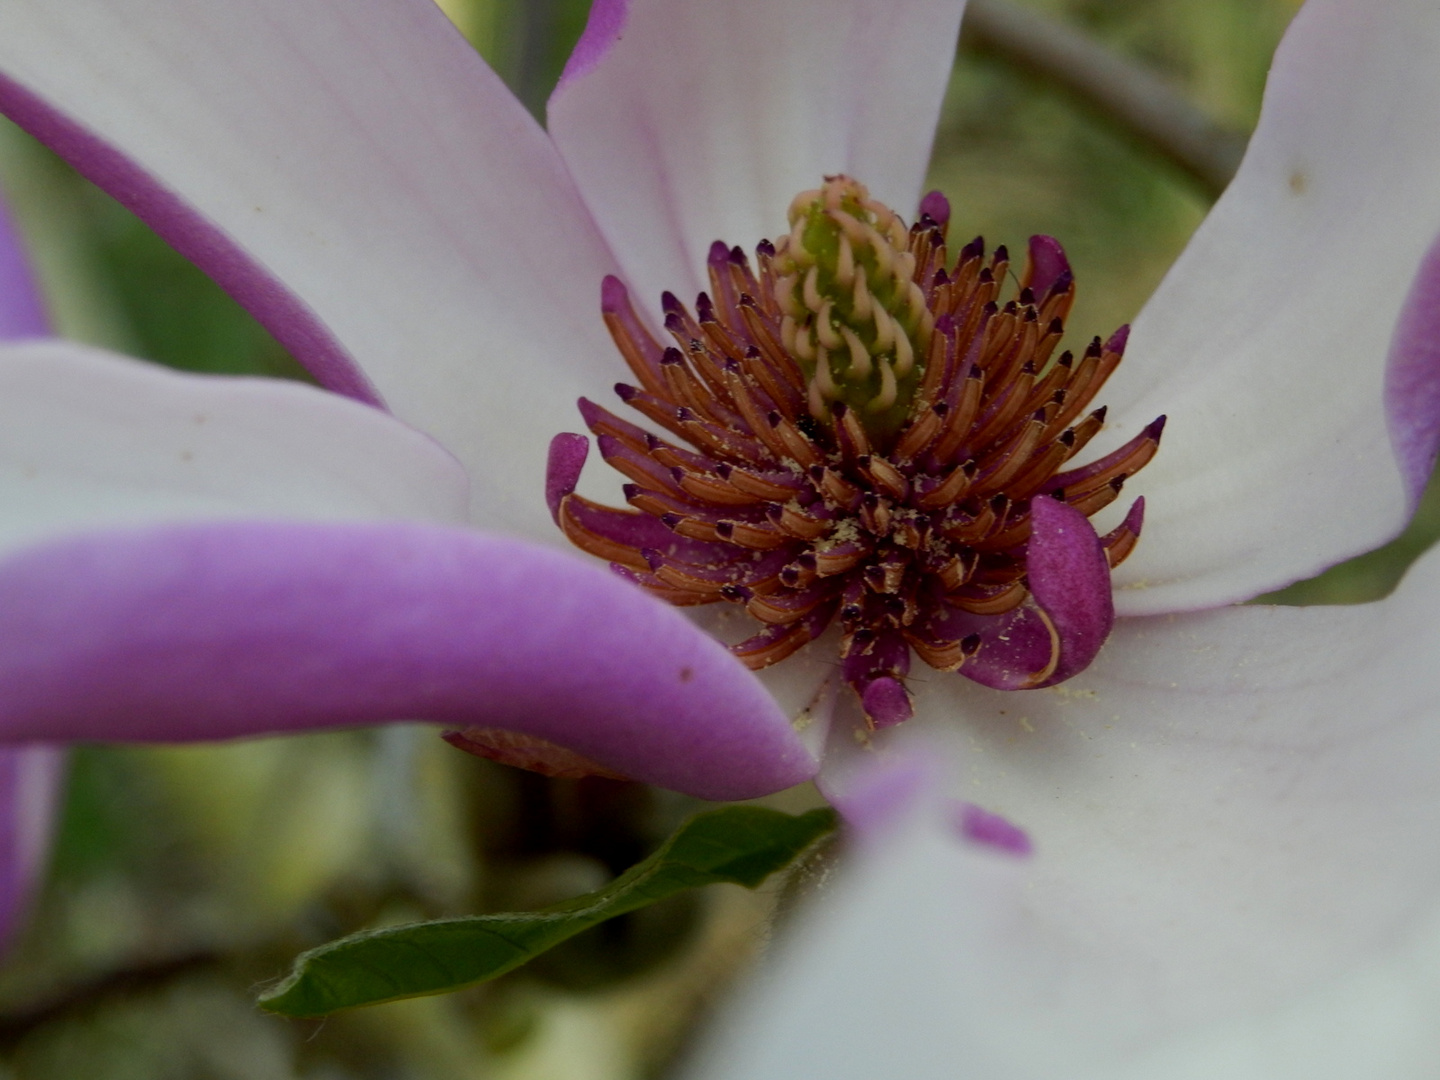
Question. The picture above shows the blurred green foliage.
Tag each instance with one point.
(184, 877)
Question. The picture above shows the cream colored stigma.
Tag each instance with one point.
(853, 315)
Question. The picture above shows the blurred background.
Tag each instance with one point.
(182, 879)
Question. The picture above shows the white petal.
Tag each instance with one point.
(364, 182)
(686, 123)
(1226, 808)
(921, 961)
(1267, 343)
(880, 978)
(90, 439)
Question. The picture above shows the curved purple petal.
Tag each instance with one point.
(22, 311)
(1412, 378)
(1059, 630)
(1070, 582)
(222, 630)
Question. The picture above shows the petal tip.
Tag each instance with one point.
(605, 27)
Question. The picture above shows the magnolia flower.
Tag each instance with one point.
(365, 185)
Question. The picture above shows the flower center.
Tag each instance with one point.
(859, 429)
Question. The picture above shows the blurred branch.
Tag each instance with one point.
(1122, 91)
(142, 975)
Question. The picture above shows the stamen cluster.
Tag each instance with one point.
(858, 430)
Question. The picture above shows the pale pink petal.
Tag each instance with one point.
(891, 969)
(685, 123)
(1226, 807)
(237, 628)
(363, 182)
(921, 960)
(1288, 344)
(88, 438)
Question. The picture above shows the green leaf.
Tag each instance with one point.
(739, 844)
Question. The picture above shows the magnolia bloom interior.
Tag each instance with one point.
(368, 188)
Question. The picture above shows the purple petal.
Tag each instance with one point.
(1059, 630)
(1070, 582)
(281, 312)
(1412, 378)
(1016, 648)
(22, 311)
(217, 631)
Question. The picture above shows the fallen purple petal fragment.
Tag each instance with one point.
(993, 830)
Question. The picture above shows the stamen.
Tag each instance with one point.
(865, 426)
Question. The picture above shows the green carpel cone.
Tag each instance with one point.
(855, 319)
